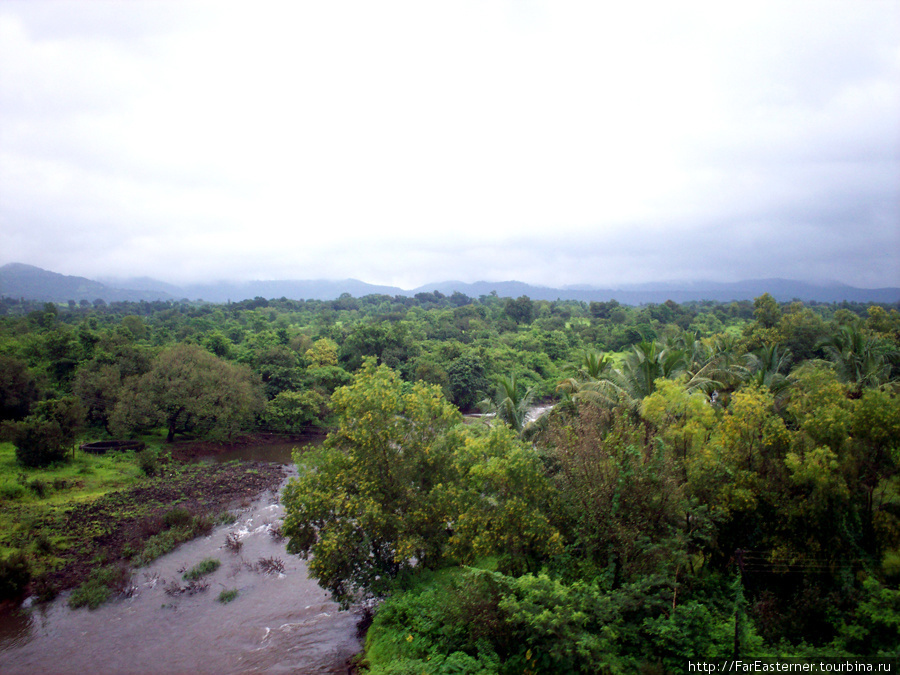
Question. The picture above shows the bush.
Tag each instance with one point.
(177, 517)
(148, 461)
(227, 596)
(11, 490)
(38, 442)
(90, 593)
(201, 525)
(38, 486)
(45, 437)
(202, 568)
(158, 545)
(99, 587)
(14, 575)
(233, 542)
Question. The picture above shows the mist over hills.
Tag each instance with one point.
(18, 280)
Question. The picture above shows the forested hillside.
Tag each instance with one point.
(704, 480)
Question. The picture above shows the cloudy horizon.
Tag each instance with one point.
(404, 143)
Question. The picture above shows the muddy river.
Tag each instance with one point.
(279, 622)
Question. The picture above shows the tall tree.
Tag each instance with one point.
(189, 389)
(400, 485)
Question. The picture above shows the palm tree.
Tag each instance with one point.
(860, 360)
(714, 364)
(628, 385)
(648, 362)
(593, 365)
(768, 367)
(592, 368)
(508, 404)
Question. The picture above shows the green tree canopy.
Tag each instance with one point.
(189, 389)
(401, 485)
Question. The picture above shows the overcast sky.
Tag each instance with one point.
(411, 142)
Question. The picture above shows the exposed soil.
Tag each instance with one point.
(108, 529)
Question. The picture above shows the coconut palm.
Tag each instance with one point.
(714, 364)
(859, 359)
(593, 365)
(592, 368)
(769, 366)
(508, 404)
(628, 385)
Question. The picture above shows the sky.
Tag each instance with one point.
(402, 143)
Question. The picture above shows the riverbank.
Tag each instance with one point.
(104, 512)
(256, 612)
(121, 527)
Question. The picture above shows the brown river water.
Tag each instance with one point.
(280, 622)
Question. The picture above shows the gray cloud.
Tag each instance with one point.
(404, 144)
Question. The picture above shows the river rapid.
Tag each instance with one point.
(280, 621)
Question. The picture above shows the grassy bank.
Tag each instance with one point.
(60, 525)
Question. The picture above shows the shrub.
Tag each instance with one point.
(202, 568)
(90, 593)
(271, 565)
(227, 596)
(38, 486)
(201, 525)
(177, 517)
(226, 518)
(158, 545)
(148, 461)
(100, 586)
(38, 442)
(43, 543)
(191, 588)
(45, 436)
(11, 490)
(14, 575)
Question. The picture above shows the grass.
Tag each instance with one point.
(182, 526)
(30, 496)
(202, 568)
(100, 509)
(85, 477)
(101, 585)
(227, 596)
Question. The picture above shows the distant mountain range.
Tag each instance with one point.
(18, 280)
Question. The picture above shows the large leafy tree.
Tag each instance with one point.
(18, 388)
(467, 381)
(401, 484)
(48, 433)
(189, 389)
(371, 503)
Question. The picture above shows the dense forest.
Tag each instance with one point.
(648, 483)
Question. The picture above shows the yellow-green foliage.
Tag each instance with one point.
(324, 352)
(683, 418)
(400, 478)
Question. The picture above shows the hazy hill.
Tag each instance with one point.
(33, 283)
(782, 290)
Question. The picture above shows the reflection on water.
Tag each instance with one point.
(280, 622)
(278, 452)
(15, 626)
